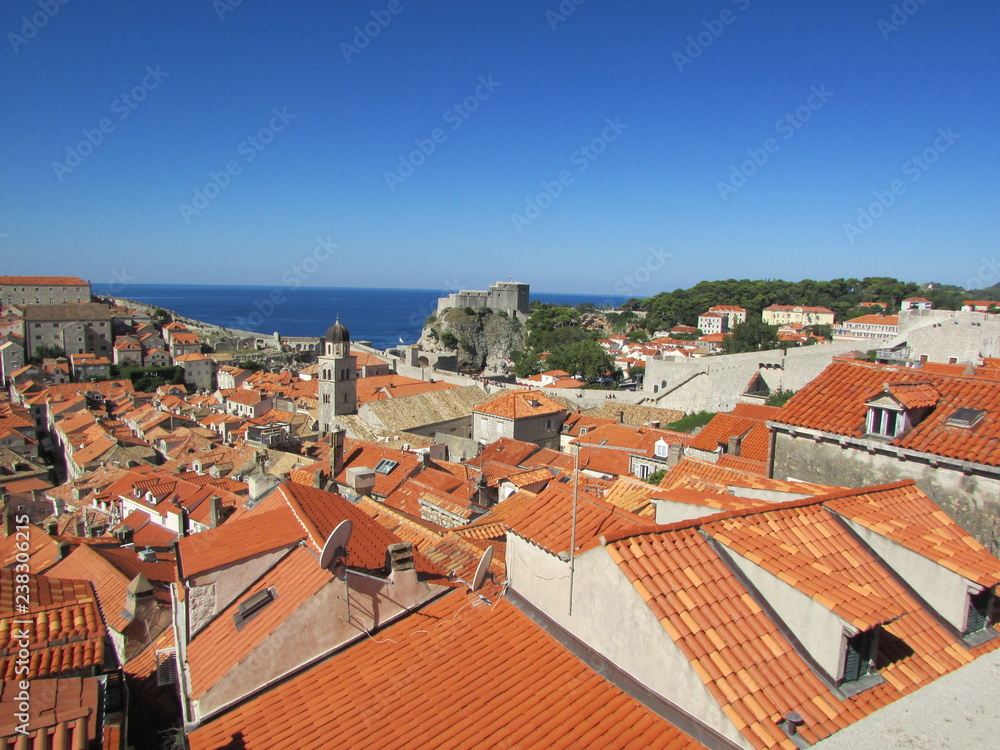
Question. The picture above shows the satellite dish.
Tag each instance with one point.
(482, 568)
(337, 540)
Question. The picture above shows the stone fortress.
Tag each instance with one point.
(510, 297)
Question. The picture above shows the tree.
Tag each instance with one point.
(779, 398)
(46, 351)
(585, 358)
(752, 336)
(657, 476)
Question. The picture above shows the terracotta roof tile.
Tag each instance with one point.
(525, 688)
(319, 512)
(66, 634)
(546, 521)
(239, 539)
(220, 646)
(905, 515)
(740, 654)
(520, 403)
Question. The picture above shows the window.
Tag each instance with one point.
(661, 448)
(548, 424)
(385, 466)
(643, 471)
(253, 606)
(166, 667)
(886, 422)
(858, 659)
(980, 616)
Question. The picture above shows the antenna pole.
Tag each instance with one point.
(572, 526)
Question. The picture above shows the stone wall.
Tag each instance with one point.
(717, 383)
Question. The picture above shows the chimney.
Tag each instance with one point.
(401, 556)
(9, 523)
(734, 444)
(318, 479)
(361, 479)
(337, 451)
(215, 511)
(674, 454)
(139, 595)
(52, 527)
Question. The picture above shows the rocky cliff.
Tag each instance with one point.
(481, 338)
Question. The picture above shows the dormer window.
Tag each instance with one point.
(661, 448)
(859, 656)
(982, 611)
(885, 421)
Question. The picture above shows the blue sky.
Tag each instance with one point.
(625, 147)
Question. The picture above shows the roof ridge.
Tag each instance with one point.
(697, 523)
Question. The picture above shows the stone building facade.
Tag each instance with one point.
(43, 290)
(74, 328)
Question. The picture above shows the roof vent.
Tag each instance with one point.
(147, 555)
(965, 417)
(791, 723)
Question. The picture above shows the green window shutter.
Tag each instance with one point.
(858, 656)
(979, 611)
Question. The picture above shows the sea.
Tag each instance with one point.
(385, 317)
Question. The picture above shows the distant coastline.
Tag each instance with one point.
(382, 316)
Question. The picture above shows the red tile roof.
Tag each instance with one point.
(66, 632)
(741, 656)
(64, 713)
(876, 320)
(319, 512)
(399, 689)
(806, 548)
(239, 539)
(547, 520)
(905, 515)
(220, 646)
(836, 402)
(42, 281)
(519, 404)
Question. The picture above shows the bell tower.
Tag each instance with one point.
(337, 388)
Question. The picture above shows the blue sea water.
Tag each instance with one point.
(382, 316)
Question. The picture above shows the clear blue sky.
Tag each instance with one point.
(886, 91)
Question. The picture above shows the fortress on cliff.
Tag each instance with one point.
(510, 297)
